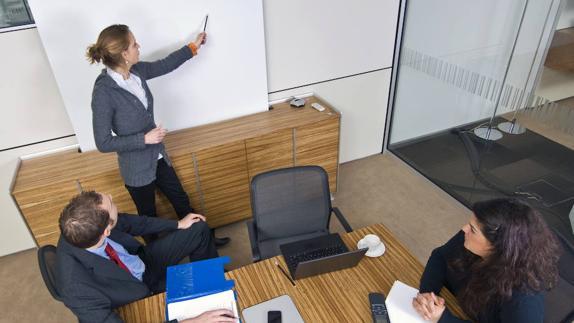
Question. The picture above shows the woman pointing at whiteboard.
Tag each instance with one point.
(122, 103)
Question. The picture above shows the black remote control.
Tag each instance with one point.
(378, 308)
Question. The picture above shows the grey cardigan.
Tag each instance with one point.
(115, 109)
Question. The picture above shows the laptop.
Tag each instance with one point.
(319, 255)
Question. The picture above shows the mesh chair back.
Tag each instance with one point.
(47, 262)
(290, 201)
(559, 307)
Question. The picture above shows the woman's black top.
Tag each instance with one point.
(520, 308)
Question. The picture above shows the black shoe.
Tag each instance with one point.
(220, 242)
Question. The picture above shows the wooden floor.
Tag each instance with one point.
(376, 189)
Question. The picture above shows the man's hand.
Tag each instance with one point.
(200, 39)
(429, 306)
(155, 136)
(189, 219)
(213, 317)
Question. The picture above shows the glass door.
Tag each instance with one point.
(465, 84)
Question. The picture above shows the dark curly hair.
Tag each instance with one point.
(524, 256)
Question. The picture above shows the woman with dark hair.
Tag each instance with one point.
(498, 267)
(123, 118)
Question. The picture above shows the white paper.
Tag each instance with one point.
(197, 306)
(399, 304)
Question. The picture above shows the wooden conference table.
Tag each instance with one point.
(340, 296)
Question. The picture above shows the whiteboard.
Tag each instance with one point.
(227, 79)
(320, 40)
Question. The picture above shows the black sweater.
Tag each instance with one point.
(521, 308)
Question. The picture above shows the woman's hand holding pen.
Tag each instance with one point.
(200, 39)
(155, 136)
(429, 306)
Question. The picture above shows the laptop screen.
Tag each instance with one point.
(329, 263)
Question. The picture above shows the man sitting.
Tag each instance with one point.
(102, 266)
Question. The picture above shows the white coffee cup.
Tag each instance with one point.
(374, 243)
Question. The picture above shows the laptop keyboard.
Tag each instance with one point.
(295, 259)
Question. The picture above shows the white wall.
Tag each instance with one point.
(362, 99)
(310, 44)
(313, 41)
(31, 104)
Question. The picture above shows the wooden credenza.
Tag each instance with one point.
(215, 164)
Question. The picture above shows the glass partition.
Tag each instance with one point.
(467, 112)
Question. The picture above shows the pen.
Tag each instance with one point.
(205, 23)
(284, 273)
(205, 27)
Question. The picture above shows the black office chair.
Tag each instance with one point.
(289, 204)
(47, 263)
(559, 304)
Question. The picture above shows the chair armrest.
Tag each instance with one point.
(342, 219)
(253, 241)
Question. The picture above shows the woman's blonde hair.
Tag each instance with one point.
(112, 41)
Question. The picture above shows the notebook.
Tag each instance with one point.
(399, 304)
(197, 287)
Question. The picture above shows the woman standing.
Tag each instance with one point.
(122, 103)
(498, 267)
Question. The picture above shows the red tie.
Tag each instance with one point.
(111, 252)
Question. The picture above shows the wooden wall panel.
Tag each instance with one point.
(272, 151)
(224, 183)
(318, 144)
(41, 210)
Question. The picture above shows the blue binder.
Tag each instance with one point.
(196, 279)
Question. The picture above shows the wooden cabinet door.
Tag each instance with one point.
(41, 208)
(318, 144)
(268, 152)
(113, 184)
(184, 165)
(224, 183)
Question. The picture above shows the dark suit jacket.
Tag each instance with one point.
(91, 286)
(115, 109)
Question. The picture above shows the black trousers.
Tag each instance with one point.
(195, 242)
(168, 183)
